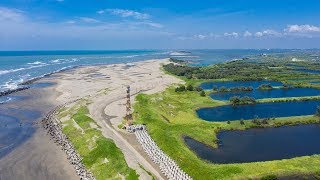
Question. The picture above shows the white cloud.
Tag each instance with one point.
(233, 34)
(247, 34)
(200, 36)
(258, 34)
(59, 0)
(302, 29)
(268, 32)
(101, 12)
(89, 20)
(153, 24)
(71, 22)
(126, 13)
(7, 14)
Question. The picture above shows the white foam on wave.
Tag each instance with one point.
(186, 56)
(36, 63)
(10, 71)
(130, 56)
(6, 100)
(21, 69)
(179, 53)
(57, 60)
(11, 84)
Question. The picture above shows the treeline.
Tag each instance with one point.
(183, 88)
(176, 60)
(236, 70)
(236, 100)
(180, 70)
(232, 89)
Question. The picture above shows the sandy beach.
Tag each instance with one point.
(105, 87)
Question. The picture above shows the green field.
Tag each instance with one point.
(100, 155)
(170, 115)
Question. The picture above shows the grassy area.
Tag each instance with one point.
(100, 155)
(170, 115)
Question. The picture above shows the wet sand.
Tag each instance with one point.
(36, 156)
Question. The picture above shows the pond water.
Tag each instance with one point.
(229, 84)
(41, 84)
(274, 93)
(260, 144)
(262, 110)
(308, 71)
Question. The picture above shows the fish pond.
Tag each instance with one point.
(261, 110)
(272, 93)
(259, 144)
(230, 84)
(310, 71)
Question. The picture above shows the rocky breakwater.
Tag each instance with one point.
(51, 123)
(167, 166)
(4, 93)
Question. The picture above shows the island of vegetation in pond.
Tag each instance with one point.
(260, 144)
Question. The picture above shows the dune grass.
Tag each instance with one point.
(170, 115)
(100, 155)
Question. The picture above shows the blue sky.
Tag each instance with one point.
(162, 24)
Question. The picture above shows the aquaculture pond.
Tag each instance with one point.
(229, 84)
(273, 93)
(261, 110)
(259, 144)
(308, 71)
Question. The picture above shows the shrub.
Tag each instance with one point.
(236, 100)
(180, 89)
(198, 89)
(265, 121)
(269, 177)
(189, 87)
(265, 87)
(223, 89)
(202, 93)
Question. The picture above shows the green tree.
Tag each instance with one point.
(202, 93)
(190, 87)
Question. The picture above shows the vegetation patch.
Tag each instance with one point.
(100, 155)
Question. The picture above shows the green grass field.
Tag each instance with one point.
(170, 115)
(100, 155)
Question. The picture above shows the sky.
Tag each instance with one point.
(162, 24)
